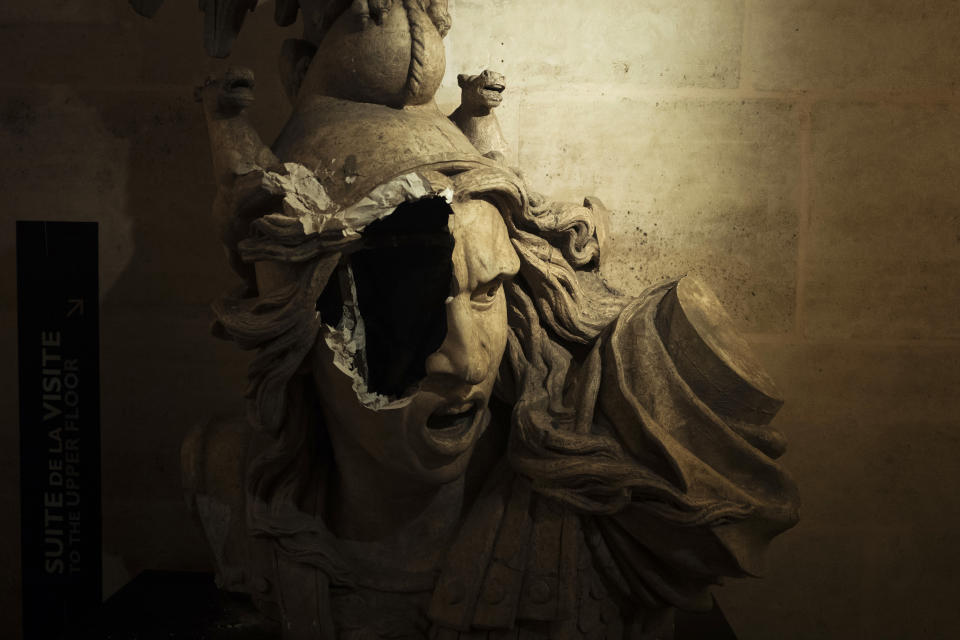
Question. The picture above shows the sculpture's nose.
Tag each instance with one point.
(463, 353)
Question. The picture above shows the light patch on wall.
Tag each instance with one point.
(62, 163)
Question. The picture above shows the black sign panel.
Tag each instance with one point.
(59, 367)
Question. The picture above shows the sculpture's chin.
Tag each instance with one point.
(441, 437)
(491, 98)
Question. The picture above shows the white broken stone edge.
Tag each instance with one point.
(306, 199)
(347, 341)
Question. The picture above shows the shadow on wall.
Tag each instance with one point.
(162, 370)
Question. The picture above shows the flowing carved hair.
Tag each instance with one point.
(557, 308)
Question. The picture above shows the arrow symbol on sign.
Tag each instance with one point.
(77, 305)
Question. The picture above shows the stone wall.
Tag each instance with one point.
(801, 155)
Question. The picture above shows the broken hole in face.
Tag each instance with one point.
(400, 278)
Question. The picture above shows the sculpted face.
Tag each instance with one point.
(430, 438)
(483, 91)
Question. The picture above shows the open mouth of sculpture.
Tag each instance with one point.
(450, 428)
(494, 91)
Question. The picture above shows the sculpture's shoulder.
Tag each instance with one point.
(213, 460)
(685, 323)
(692, 406)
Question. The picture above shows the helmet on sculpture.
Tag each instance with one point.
(364, 110)
(364, 120)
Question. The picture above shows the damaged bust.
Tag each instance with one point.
(455, 428)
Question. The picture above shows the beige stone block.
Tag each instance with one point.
(136, 162)
(61, 162)
(132, 51)
(884, 239)
(851, 44)
(850, 582)
(694, 186)
(876, 420)
(59, 53)
(866, 385)
(873, 446)
(171, 51)
(658, 43)
(809, 592)
(912, 566)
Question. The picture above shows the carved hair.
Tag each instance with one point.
(557, 304)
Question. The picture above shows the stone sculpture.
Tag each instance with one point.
(480, 95)
(456, 429)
